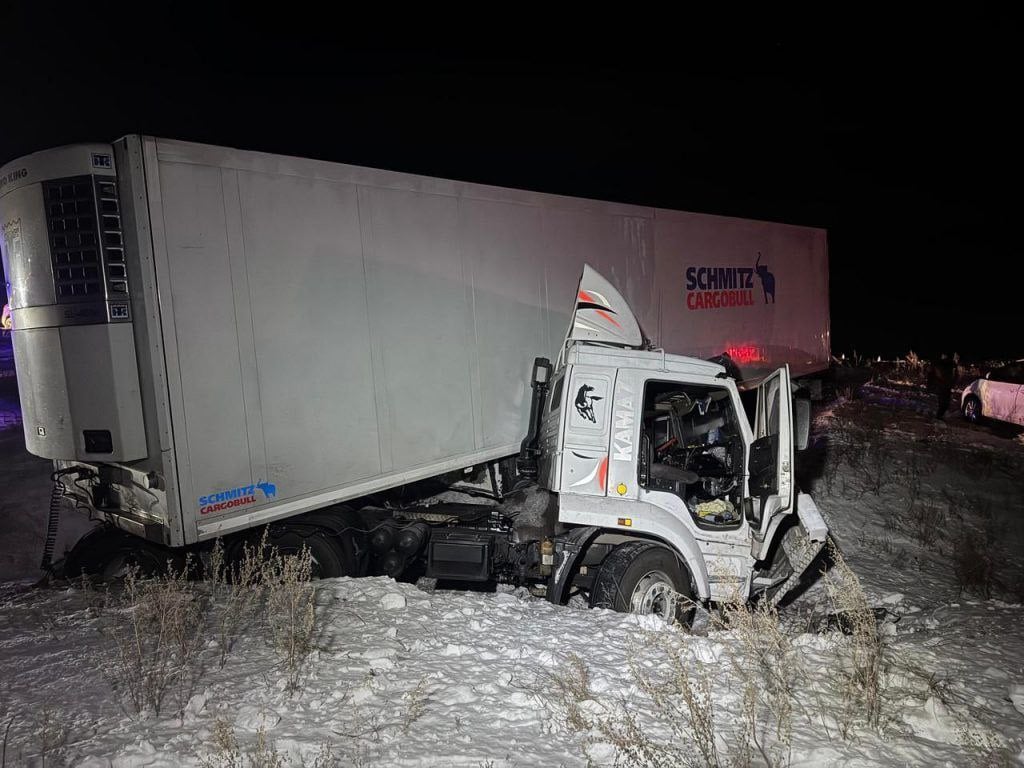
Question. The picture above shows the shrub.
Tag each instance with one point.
(291, 610)
(156, 627)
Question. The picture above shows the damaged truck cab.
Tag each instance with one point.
(652, 453)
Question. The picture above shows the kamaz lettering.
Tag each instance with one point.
(622, 441)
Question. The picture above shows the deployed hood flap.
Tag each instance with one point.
(601, 314)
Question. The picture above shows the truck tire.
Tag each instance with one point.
(106, 553)
(330, 558)
(644, 577)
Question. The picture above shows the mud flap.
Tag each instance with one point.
(802, 544)
(568, 549)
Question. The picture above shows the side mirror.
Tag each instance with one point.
(801, 423)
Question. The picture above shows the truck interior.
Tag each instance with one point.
(691, 447)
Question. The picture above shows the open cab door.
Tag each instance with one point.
(771, 454)
(771, 485)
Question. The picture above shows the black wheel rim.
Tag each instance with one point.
(971, 409)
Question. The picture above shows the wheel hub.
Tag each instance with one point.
(971, 409)
(654, 593)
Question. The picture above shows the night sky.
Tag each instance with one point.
(906, 147)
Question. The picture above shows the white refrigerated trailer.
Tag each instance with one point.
(209, 340)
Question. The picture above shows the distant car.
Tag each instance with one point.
(1000, 395)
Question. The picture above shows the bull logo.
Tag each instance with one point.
(269, 489)
(585, 402)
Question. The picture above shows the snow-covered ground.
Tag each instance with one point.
(407, 675)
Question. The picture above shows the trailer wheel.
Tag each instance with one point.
(329, 559)
(108, 553)
(644, 577)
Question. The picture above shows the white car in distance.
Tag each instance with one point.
(1000, 395)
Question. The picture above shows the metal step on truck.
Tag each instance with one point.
(215, 343)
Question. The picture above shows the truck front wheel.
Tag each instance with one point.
(644, 577)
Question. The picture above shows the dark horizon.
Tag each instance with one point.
(906, 167)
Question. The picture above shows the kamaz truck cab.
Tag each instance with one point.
(670, 489)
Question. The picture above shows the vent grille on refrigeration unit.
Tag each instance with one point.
(74, 240)
(86, 244)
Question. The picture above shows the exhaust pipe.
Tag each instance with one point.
(528, 453)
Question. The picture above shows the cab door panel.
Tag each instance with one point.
(770, 464)
(625, 443)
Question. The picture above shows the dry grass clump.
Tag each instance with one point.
(156, 628)
(159, 629)
(858, 671)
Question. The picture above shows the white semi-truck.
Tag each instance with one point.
(211, 342)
